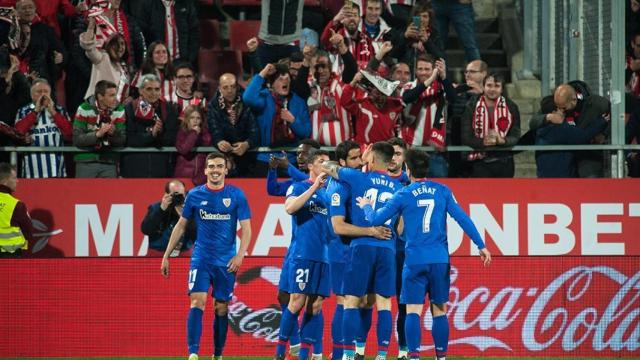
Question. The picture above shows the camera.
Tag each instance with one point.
(177, 199)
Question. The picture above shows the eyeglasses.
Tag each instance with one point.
(185, 77)
(471, 71)
(322, 66)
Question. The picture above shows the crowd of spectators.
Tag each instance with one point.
(126, 75)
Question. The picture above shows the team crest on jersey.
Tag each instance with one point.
(302, 285)
(226, 202)
(335, 199)
(392, 115)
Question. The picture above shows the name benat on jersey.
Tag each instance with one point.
(204, 215)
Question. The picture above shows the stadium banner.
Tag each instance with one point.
(567, 306)
(516, 217)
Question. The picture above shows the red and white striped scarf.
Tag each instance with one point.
(500, 121)
(427, 115)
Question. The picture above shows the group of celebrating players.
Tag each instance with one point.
(367, 227)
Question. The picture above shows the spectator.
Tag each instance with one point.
(184, 95)
(282, 116)
(111, 19)
(330, 122)
(491, 120)
(299, 173)
(283, 27)
(233, 126)
(401, 72)
(400, 11)
(40, 52)
(192, 132)
(632, 133)
(47, 124)
(162, 216)
(157, 62)
(151, 122)
(109, 64)
(99, 126)
(424, 120)
(14, 87)
(16, 230)
(632, 23)
(346, 24)
(474, 75)
(299, 64)
(377, 114)
(172, 22)
(560, 164)
(632, 76)
(579, 106)
(460, 12)
(420, 37)
(48, 11)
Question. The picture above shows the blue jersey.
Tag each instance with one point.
(403, 179)
(276, 188)
(373, 185)
(424, 207)
(338, 193)
(216, 214)
(310, 227)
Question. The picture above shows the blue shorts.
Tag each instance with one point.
(283, 284)
(202, 276)
(372, 270)
(422, 279)
(337, 277)
(399, 266)
(309, 277)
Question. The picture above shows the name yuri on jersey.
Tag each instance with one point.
(204, 215)
(382, 181)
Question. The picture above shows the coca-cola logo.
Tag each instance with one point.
(562, 315)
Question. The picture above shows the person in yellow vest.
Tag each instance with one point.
(15, 223)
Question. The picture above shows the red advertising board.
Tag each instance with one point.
(516, 217)
(115, 307)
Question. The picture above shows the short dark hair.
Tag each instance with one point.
(426, 58)
(281, 70)
(184, 65)
(313, 143)
(296, 56)
(497, 77)
(102, 86)
(315, 153)
(383, 150)
(216, 155)
(417, 162)
(5, 170)
(342, 150)
(396, 141)
(168, 184)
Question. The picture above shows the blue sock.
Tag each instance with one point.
(336, 332)
(294, 338)
(365, 325)
(286, 326)
(402, 316)
(383, 331)
(310, 333)
(194, 330)
(220, 327)
(440, 333)
(413, 332)
(317, 345)
(350, 326)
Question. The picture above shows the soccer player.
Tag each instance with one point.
(216, 208)
(424, 206)
(348, 155)
(309, 272)
(372, 266)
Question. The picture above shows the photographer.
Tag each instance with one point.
(162, 216)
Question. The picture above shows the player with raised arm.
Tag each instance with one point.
(309, 282)
(424, 206)
(217, 208)
(371, 269)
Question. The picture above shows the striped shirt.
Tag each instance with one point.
(171, 29)
(44, 132)
(330, 122)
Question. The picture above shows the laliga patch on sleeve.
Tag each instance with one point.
(289, 190)
(335, 199)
